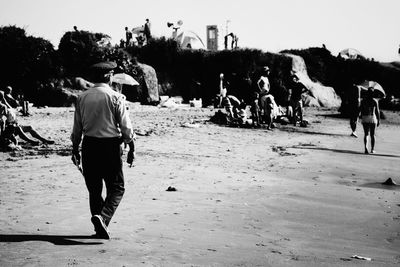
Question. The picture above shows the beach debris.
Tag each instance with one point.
(196, 103)
(361, 258)
(171, 189)
(281, 151)
(171, 102)
(144, 132)
(190, 125)
(389, 181)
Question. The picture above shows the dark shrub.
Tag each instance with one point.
(26, 61)
(79, 49)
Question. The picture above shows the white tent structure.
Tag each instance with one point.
(189, 40)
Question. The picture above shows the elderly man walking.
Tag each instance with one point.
(102, 119)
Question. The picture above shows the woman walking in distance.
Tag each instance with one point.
(370, 118)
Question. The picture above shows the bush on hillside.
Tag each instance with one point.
(33, 67)
(79, 49)
(27, 61)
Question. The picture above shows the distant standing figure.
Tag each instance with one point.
(266, 100)
(370, 118)
(295, 101)
(263, 85)
(233, 41)
(255, 110)
(268, 109)
(4, 106)
(128, 36)
(147, 30)
(223, 88)
(102, 119)
(354, 108)
(121, 43)
(226, 42)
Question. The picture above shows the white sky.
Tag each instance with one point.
(371, 26)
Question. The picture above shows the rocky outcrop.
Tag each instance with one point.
(318, 95)
(147, 92)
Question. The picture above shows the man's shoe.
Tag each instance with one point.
(100, 227)
(354, 134)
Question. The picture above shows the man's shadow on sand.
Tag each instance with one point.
(61, 240)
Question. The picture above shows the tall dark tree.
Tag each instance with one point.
(26, 60)
(80, 49)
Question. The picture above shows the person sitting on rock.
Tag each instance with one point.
(9, 98)
(232, 106)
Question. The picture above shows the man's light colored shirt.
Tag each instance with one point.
(101, 112)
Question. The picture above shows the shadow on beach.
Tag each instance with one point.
(345, 151)
(333, 115)
(63, 240)
(305, 131)
(382, 186)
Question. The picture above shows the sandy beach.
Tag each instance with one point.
(244, 197)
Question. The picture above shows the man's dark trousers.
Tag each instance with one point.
(101, 160)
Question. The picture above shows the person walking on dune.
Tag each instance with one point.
(102, 118)
(370, 118)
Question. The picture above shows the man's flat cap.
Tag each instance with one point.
(104, 66)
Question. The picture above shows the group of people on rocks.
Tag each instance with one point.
(142, 37)
(10, 129)
(263, 108)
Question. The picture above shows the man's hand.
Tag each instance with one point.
(131, 157)
(76, 157)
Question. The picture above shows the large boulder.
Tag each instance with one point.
(318, 95)
(147, 92)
